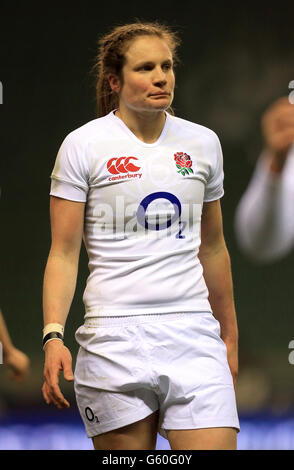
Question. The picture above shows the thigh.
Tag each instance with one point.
(197, 390)
(203, 439)
(141, 435)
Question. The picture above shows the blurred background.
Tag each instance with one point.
(235, 60)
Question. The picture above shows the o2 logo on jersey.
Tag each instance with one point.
(161, 225)
(159, 215)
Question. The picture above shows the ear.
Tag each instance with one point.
(114, 82)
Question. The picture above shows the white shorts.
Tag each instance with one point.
(129, 367)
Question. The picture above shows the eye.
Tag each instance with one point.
(167, 66)
(145, 67)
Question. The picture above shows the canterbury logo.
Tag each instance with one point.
(121, 165)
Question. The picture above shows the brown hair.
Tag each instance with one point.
(111, 58)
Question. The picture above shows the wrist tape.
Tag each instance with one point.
(52, 331)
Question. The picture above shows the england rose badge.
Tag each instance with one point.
(183, 163)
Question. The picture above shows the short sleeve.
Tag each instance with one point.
(214, 188)
(70, 175)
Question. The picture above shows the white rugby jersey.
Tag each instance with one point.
(264, 220)
(143, 212)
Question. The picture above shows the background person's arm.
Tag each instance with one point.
(67, 219)
(17, 361)
(215, 260)
(264, 222)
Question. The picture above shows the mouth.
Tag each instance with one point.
(160, 93)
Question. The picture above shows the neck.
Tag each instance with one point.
(147, 126)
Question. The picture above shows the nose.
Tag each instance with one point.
(159, 77)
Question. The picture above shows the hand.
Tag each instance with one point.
(57, 358)
(278, 132)
(232, 354)
(18, 364)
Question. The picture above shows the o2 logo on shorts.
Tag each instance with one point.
(90, 415)
(141, 213)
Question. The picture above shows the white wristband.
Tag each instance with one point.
(53, 327)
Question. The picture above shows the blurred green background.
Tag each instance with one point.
(235, 60)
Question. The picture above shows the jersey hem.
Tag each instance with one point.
(72, 183)
(118, 422)
(231, 421)
(215, 198)
(104, 312)
(67, 198)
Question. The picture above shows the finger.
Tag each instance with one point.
(67, 369)
(68, 373)
(46, 394)
(58, 402)
(58, 397)
(53, 390)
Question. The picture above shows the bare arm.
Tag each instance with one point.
(4, 335)
(60, 276)
(216, 264)
(16, 360)
(67, 219)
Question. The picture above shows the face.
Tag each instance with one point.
(147, 77)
